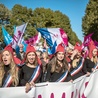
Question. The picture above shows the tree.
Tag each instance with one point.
(90, 20)
(5, 14)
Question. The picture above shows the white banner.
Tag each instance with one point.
(83, 87)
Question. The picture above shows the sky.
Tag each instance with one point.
(74, 9)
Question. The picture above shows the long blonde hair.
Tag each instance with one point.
(13, 71)
(94, 59)
(75, 62)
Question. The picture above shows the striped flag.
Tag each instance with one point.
(87, 39)
(54, 34)
(53, 37)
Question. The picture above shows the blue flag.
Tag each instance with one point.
(7, 38)
(14, 28)
(24, 44)
(52, 50)
(46, 35)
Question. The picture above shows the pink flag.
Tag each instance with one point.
(96, 43)
(91, 47)
(87, 39)
(33, 40)
(64, 36)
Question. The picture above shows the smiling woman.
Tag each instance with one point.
(57, 68)
(31, 71)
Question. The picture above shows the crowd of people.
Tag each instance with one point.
(34, 66)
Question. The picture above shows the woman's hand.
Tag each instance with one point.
(93, 69)
(88, 74)
(71, 80)
(29, 86)
(32, 84)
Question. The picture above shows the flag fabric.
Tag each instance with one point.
(51, 50)
(24, 44)
(38, 38)
(91, 47)
(34, 39)
(7, 38)
(87, 39)
(53, 34)
(96, 44)
(18, 35)
(14, 28)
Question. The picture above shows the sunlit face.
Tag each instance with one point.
(60, 56)
(31, 57)
(6, 58)
(94, 52)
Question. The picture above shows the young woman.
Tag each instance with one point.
(57, 70)
(94, 57)
(93, 54)
(8, 69)
(78, 67)
(87, 63)
(31, 71)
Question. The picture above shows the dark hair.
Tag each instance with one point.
(56, 67)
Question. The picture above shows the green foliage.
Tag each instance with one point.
(4, 18)
(40, 18)
(90, 20)
(22, 15)
(4, 12)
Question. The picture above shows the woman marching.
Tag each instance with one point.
(57, 70)
(8, 69)
(78, 67)
(93, 53)
(31, 71)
